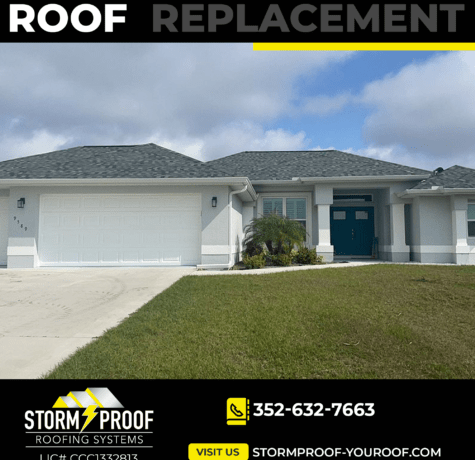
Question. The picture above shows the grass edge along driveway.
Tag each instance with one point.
(373, 322)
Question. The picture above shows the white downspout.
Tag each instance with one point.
(230, 235)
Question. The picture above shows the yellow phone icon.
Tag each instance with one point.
(237, 411)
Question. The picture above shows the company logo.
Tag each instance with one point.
(93, 411)
(90, 399)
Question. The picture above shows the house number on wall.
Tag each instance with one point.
(18, 221)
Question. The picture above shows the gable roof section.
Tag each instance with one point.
(109, 162)
(456, 177)
(284, 165)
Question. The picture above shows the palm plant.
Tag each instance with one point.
(279, 233)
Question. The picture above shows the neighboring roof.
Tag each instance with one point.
(276, 165)
(454, 177)
(101, 162)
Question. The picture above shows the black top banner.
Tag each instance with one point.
(289, 22)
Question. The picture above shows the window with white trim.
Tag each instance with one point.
(471, 220)
(293, 208)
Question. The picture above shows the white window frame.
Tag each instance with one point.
(283, 196)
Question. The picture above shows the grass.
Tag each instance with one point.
(373, 322)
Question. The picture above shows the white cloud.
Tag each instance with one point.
(111, 93)
(233, 138)
(427, 108)
(394, 154)
(40, 141)
(326, 105)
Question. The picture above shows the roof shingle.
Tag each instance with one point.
(284, 165)
(108, 162)
(453, 177)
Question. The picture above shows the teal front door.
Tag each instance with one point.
(352, 230)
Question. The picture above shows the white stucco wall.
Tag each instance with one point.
(435, 215)
(439, 230)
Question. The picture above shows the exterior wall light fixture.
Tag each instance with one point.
(214, 202)
(20, 203)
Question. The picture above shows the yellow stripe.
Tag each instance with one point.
(91, 394)
(363, 46)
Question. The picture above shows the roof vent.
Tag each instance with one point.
(437, 171)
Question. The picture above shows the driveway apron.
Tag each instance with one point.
(47, 314)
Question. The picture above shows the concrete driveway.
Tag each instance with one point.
(47, 314)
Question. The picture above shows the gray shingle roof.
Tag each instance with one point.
(453, 177)
(101, 162)
(274, 165)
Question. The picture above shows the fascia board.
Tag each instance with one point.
(229, 181)
(293, 181)
(435, 192)
(128, 181)
(362, 178)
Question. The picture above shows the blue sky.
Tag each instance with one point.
(212, 100)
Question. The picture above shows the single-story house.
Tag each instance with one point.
(141, 205)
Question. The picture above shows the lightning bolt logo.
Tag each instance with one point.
(90, 412)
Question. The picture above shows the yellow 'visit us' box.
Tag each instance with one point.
(221, 451)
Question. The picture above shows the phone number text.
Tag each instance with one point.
(314, 410)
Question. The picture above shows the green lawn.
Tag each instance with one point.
(378, 321)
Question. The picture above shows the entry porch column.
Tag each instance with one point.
(323, 199)
(459, 230)
(399, 250)
(324, 246)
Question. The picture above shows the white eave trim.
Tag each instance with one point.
(237, 182)
(435, 191)
(362, 178)
(313, 180)
(130, 181)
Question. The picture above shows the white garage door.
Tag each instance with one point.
(101, 230)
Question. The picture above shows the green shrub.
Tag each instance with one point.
(257, 261)
(307, 256)
(293, 254)
(282, 260)
(278, 233)
(251, 248)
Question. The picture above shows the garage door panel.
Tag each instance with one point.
(151, 255)
(92, 240)
(131, 256)
(111, 222)
(90, 257)
(52, 221)
(111, 239)
(71, 203)
(91, 221)
(115, 230)
(69, 257)
(112, 202)
(132, 239)
(51, 257)
(92, 203)
(51, 203)
(70, 221)
(73, 240)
